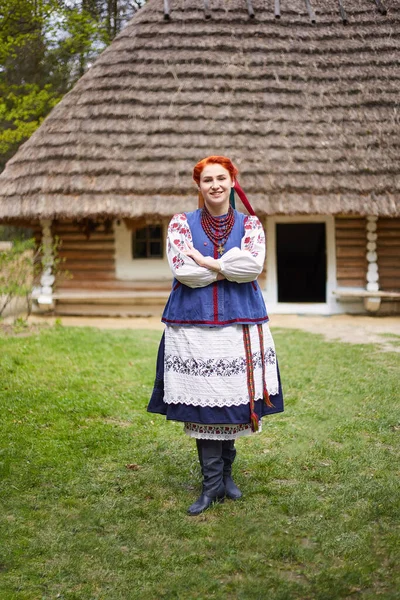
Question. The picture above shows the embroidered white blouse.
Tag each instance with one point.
(241, 265)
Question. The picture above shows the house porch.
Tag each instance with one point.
(359, 259)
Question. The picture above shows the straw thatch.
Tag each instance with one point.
(309, 112)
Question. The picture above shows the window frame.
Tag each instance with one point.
(148, 240)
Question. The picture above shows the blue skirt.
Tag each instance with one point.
(206, 415)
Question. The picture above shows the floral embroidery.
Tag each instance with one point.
(216, 428)
(261, 238)
(179, 244)
(178, 234)
(252, 223)
(215, 366)
(178, 224)
(220, 432)
(253, 241)
(249, 245)
(177, 261)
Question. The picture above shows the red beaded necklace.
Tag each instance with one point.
(218, 229)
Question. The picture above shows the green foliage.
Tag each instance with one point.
(22, 109)
(45, 46)
(94, 490)
(16, 272)
(82, 43)
(21, 268)
(12, 232)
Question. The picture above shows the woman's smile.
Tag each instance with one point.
(215, 186)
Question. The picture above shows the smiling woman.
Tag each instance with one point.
(215, 177)
(216, 368)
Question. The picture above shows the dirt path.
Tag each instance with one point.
(383, 331)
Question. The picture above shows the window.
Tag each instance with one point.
(147, 242)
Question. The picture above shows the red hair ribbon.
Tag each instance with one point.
(243, 198)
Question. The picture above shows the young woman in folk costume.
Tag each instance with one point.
(216, 366)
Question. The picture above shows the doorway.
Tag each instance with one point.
(301, 262)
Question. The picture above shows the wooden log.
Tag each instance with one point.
(107, 295)
(389, 233)
(351, 282)
(112, 284)
(80, 237)
(73, 234)
(389, 261)
(93, 246)
(356, 243)
(355, 223)
(89, 275)
(353, 275)
(391, 272)
(391, 280)
(387, 223)
(383, 242)
(344, 236)
(351, 247)
(90, 265)
(388, 250)
(350, 251)
(358, 270)
(356, 262)
(391, 285)
(86, 255)
(67, 228)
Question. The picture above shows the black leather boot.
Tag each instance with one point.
(228, 456)
(198, 444)
(210, 457)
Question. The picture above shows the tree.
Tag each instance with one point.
(45, 46)
(22, 109)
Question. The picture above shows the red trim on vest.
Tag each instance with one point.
(215, 289)
(230, 322)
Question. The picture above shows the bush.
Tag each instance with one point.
(17, 273)
(21, 268)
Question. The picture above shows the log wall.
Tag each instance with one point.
(351, 247)
(388, 249)
(89, 260)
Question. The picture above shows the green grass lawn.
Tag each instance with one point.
(320, 513)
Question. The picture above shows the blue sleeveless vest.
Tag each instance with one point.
(221, 303)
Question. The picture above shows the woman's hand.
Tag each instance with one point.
(203, 261)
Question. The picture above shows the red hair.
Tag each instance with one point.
(215, 160)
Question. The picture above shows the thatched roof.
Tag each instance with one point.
(309, 112)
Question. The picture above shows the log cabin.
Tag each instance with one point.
(303, 95)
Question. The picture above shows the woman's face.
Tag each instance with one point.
(215, 187)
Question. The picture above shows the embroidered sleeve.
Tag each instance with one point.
(184, 268)
(245, 264)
